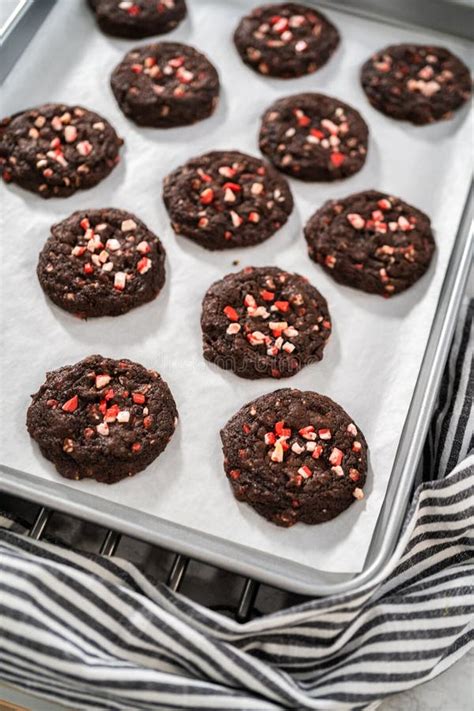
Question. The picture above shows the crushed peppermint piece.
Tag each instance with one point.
(336, 456)
(70, 134)
(84, 148)
(270, 438)
(128, 225)
(233, 328)
(317, 451)
(207, 196)
(112, 244)
(277, 453)
(103, 429)
(352, 429)
(356, 221)
(102, 380)
(231, 313)
(297, 448)
(308, 432)
(144, 265)
(305, 472)
(71, 405)
(120, 280)
(236, 218)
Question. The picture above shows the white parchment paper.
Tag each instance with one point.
(373, 358)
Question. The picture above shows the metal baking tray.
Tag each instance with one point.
(250, 562)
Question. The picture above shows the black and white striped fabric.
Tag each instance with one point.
(94, 633)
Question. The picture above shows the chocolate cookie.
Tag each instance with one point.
(101, 263)
(295, 456)
(417, 83)
(372, 241)
(227, 199)
(263, 322)
(141, 18)
(287, 40)
(55, 149)
(314, 137)
(102, 419)
(165, 85)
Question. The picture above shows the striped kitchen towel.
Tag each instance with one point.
(94, 633)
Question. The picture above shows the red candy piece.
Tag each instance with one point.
(207, 196)
(336, 457)
(71, 404)
(204, 176)
(231, 313)
(304, 120)
(227, 171)
(280, 25)
(281, 430)
(318, 450)
(325, 433)
(337, 159)
(112, 411)
(235, 187)
(270, 438)
(176, 62)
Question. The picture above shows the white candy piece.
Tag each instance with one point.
(128, 225)
(103, 429)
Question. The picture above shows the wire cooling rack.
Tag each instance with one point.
(231, 594)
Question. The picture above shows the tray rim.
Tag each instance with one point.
(268, 568)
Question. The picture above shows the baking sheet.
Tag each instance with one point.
(372, 361)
